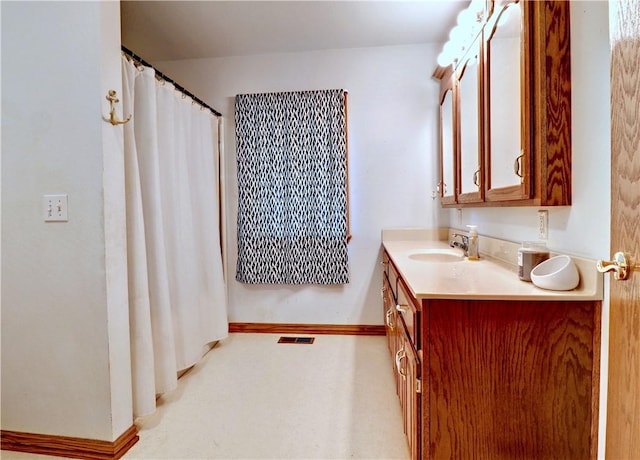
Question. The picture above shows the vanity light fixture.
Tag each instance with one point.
(469, 24)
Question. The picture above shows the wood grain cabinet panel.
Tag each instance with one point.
(511, 379)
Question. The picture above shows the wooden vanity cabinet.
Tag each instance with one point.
(499, 379)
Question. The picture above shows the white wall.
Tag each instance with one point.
(392, 162)
(65, 337)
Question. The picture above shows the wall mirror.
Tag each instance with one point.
(470, 109)
(447, 147)
(507, 151)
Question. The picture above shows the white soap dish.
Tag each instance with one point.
(558, 273)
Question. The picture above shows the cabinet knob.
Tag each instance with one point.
(517, 167)
(388, 319)
(400, 355)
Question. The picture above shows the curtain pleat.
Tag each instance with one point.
(142, 350)
(177, 294)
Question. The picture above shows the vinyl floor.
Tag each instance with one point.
(253, 398)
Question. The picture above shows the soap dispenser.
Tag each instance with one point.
(474, 252)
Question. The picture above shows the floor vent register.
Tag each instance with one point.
(304, 340)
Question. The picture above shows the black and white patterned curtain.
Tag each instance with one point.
(292, 188)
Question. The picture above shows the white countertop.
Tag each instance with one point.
(485, 279)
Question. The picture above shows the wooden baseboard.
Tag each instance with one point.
(65, 446)
(285, 328)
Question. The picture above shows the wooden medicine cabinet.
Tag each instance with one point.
(511, 94)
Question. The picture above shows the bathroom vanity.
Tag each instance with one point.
(487, 365)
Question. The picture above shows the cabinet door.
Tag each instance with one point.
(513, 379)
(508, 149)
(448, 140)
(408, 369)
(470, 133)
(528, 103)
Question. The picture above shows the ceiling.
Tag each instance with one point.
(174, 30)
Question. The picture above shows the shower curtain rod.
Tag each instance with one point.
(182, 89)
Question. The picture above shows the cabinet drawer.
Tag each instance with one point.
(390, 316)
(391, 274)
(385, 264)
(409, 312)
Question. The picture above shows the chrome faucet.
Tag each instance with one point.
(463, 244)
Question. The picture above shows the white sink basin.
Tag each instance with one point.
(437, 255)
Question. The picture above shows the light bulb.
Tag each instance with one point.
(449, 49)
(476, 6)
(464, 17)
(443, 60)
(457, 34)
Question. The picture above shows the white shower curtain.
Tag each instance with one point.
(177, 296)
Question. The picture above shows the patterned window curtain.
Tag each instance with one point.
(292, 188)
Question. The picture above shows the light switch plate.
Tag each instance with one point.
(55, 207)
